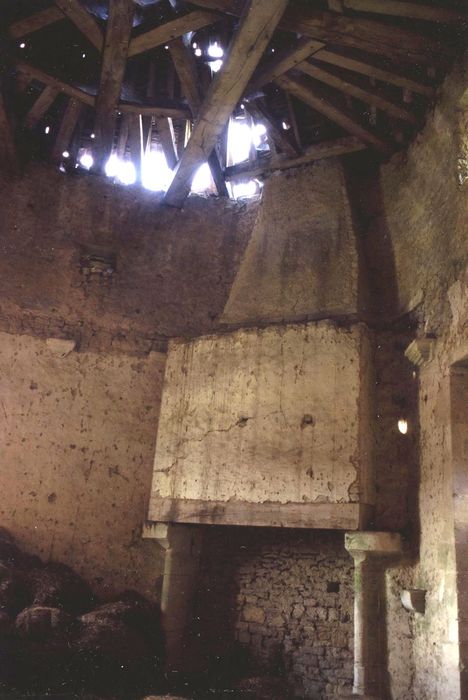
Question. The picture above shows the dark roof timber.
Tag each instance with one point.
(256, 27)
(346, 58)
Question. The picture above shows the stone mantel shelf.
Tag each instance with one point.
(336, 516)
(381, 543)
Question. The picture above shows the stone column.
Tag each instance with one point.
(369, 551)
(183, 545)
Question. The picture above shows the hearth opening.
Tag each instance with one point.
(273, 612)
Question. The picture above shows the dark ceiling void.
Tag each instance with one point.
(127, 78)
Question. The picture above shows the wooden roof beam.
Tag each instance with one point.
(320, 102)
(34, 22)
(318, 51)
(391, 41)
(165, 33)
(258, 22)
(184, 63)
(259, 114)
(366, 68)
(114, 59)
(34, 73)
(280, 65)
(398, 8)
(83, 20)
(172, 109)
(326, 149)
(72, 9)
(166, 137)
(162, 108)
(372, 98)
(68, 124)
(186, 69)
(41, 105)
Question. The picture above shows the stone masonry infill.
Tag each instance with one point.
(289, 597)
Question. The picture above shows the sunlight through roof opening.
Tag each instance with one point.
(86, 160)
(215, 50)
(122, 170)
(245, 190)
(156, 174)
(202, 182)
(239, 141)
(215, 65)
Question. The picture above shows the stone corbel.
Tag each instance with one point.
(421, 351)
(157, 531)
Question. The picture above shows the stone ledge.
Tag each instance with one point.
(335, 516)
(373, 542)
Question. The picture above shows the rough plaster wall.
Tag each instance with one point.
(301, 260)
(287, 597)
(263, 415)
(77, 444)
(174, 269)
(427, 209)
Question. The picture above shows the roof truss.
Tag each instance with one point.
(344, 59)
(256, 27)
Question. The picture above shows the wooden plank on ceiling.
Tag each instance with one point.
(41, 105)
(34, 22)
(37, 74)
(166, 137)
(83, 20)
(280, 65)
(68, 124)
(186, 70)
(191, 22)
(366, 68)
(184, 62)
(114, 60)
(321, 103)
(158, 108)
(370, 97)
(255, 29)
(389, 40)
(326, 149)
(412, 10)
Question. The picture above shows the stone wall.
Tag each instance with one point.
(426, 209)
(286, 596)
(76, 454)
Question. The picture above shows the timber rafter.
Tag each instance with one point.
(361, 72)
